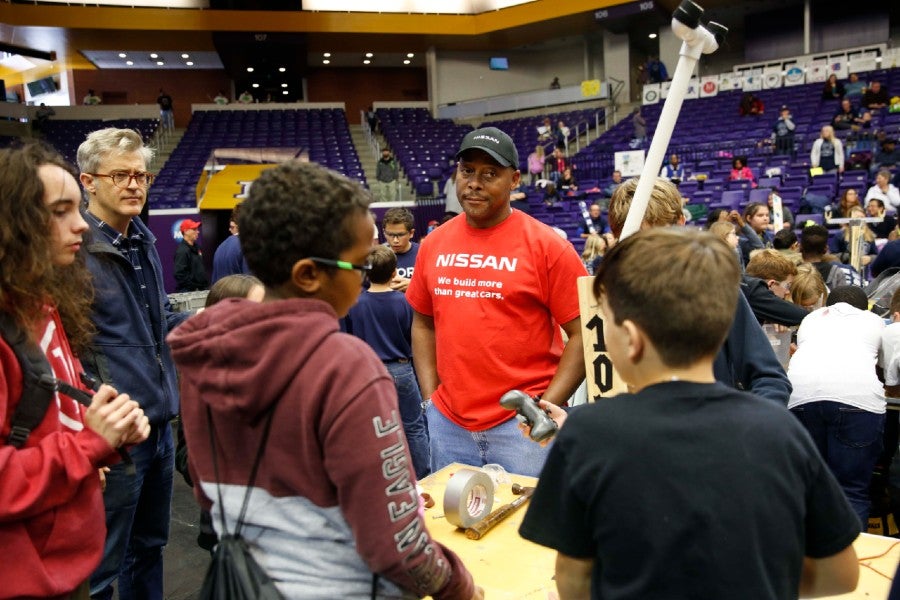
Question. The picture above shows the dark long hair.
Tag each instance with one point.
(28, 278)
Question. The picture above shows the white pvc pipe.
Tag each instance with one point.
(696, 43)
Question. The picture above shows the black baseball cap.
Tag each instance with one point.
(493, 141)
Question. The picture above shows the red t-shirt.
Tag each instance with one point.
(497, 297)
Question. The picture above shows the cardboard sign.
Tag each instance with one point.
(602, 379)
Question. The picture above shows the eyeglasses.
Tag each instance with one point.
(122, 179)
(342, 264)
(395, 236)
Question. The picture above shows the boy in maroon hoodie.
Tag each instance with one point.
(334, 511)
(52, 524)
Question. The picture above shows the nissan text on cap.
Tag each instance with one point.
(493, 141)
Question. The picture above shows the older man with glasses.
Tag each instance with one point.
(132, 317)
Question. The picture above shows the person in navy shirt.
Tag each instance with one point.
(399, 228)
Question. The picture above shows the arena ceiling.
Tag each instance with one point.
(236, 34)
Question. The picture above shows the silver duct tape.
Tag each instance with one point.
(468, 497)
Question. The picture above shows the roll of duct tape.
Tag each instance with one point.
(468, 497)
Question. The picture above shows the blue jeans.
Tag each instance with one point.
(502, 444)
(849, 440)
(137, 521)
(410, 400)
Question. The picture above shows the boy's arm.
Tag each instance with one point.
(425, 353)
(830, 576)
(573, 577)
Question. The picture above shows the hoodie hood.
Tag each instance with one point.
(233, 352)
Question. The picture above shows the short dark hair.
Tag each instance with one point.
(294, 211)
(713, 216)
(235, 212)
(665, 269)
(851, 294)
(384, 263)
(784, 239)
(878, 201)
(399, 216)
(814, 240)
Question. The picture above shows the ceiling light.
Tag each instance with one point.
(256, 85)
(129, 62)
(285, 92)
(367, 61)
(185, 56)
(410, 55)
(326, 62)
(160, 63)
(368, 55)
(249, 69)
(652, 36)
(154, 55)
(283, 85)
(406, 62)
(190, 63)
(327, 54)
(122, 55)
(281, 69)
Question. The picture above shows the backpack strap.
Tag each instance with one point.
(38, 383)
(253, 470)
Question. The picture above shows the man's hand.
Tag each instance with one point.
(399, 284)
(116, 418)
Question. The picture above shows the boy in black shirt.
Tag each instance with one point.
(685, 488)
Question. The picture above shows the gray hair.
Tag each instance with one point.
(110, 141)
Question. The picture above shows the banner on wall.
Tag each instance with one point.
(891, 58)
(650, 94)
(664, 89)
(693, 90)
(795, 75)
(629, 162)
(709, 86)
(838, 65)
(771, 80)
(730, 81)
(752, 83)
(817, 71)
(863, 63)
(590, 87)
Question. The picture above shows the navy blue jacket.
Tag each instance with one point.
(746, 360)
(126, 352)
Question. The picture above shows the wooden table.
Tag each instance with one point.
(510, 567)
(504, 564)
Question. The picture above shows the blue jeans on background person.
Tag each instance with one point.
(409, 398)
(849, 440)
(502, 444)
(137, 521)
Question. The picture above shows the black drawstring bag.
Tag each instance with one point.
(234, 574)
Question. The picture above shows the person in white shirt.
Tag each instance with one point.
(884, 190)
(837, 394)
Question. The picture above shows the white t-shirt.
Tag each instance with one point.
(890, 352)
(837, 349)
